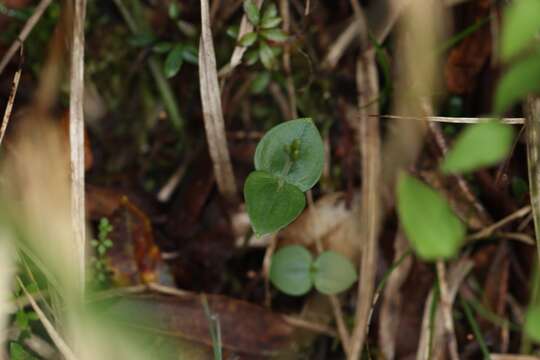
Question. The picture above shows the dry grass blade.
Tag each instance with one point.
(457, 274)
(30, 23)
(368, 137)
(391, 305)
(9, 105)
(512, 357)
(55, 336)
(212, 111)
(76, 135)
(7, 270)
(488, 231)
(446, 310)
(532, 128)
(455, 120)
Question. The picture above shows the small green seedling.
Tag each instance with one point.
(532, 323)
(101, 245)
(17, 352)
(288, 162)
(266, 33)
(294, 272)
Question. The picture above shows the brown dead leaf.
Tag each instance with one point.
(246, 329)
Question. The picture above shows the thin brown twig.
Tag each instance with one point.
(30, 23)
(76, 135)
(446, 309)
(454, 120)
(489, 230)
(9, 105)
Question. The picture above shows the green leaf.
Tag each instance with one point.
(252, 55)
(270, 11)
(333, 273)
(174, 10)
(22, 320)
(269, 23)
(266, 55)
(478, 146)
(276, 35)
(522, 78)
(272, 157)
(190, 55)
(431, 226)
(162, 47)
(17, 352)
(142, 39)
(271, 203)
(248, 39)
(232, 31)
(252, 12)
(174, 61)
(532, 323)
(290, 270)
(260, 82)
(520, 25)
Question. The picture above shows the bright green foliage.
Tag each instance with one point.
(174, 61)
(17, 352)
(294, 272)
(288, 160)
(290, 271)
(252, 12)
(248, 39)
(271, 203)
(431, 226)
(532, 323)
(478, 146)
(275, 34)
(333, 273)
(101, 245)
(522, 78)
(521, 24)
(276, 148)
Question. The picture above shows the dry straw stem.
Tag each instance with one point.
(286, 27)
(368, 138)
(30, 23)
(55, 336)
(212, 111)
(7, 270)
(76, 135)
(457, 274)
(9, 105)
(455, 120)
(489, 230)
(532, 129)
(512, 357)
(446, 310)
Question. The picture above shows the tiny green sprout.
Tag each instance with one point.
(265, 36)
(101, 245)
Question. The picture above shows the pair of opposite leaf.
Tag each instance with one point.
(288, 162)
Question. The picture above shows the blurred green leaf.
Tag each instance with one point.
(260, 82)
(521, 23)
(266, 55)
(248, 39)
(190, 55)
(17, 352)
(162, 47)
(271, 203)
(269, 23)
(431, 226)
(276, 35)
(251, 57)
(272, 154)
(174, 10)
(521, 79)
(252, 12)
(270, 11)
(333, 273)
(174, 61)
(532, 323)
(142, 40)
(232, 31)
(478, 146)
(290, 270)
